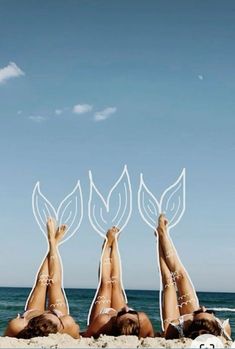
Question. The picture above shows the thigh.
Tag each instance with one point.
(170, 309)
(102, 300)
(187, 298)
(118, 299)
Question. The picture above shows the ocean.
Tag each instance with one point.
(12, 302)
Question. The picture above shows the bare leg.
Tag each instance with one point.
(118, 299)
(169, 304)
(37, 296)
(103, 298)
(56, 296)
(187, 301)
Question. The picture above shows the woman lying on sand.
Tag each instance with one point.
(110, 314)
(36, 320)
(181, 313)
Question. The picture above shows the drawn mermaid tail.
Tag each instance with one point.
(69, 212)
(171, 203)
(103, 214)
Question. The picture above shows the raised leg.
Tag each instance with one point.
(37, 296)
(56, 296)
(118, 299)
(103, 296)
(169, 302)
(187, 298)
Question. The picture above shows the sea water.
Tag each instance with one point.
(12, 301)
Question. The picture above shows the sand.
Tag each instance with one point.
(65, 341)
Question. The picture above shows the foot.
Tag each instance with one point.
(111, 233)
(51, 229)
(162, 225)
(60, 233)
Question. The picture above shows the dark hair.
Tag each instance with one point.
(127, 327)
(199, 327)
(39, 326)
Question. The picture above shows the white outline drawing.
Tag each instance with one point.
(166, 205)
(100, 225)
(73, 220)
(171, 203)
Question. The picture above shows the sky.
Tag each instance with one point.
(94, 85)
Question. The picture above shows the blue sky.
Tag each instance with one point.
(155, 80)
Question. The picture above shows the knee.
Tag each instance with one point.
(106, 284)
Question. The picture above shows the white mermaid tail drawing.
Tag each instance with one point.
(69, 212)
(171, 203)
(114, 211)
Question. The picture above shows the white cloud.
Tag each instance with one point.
(58, 111)
(10, 71)
(200, 77)
(19, 112)
(104, 114)
(37, 118)
(82, 108)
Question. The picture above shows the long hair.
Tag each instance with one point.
(199, 327)
(39, 326)
(128, 327)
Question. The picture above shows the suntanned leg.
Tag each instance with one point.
(118, 299)
(56, 296)
(37, 297)
(170, 310)
(103, 298)
(187, 298)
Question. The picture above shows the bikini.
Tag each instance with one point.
(180, 326)
(107, 310)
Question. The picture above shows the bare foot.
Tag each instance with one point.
(60, 233)
(162, 225)
(111, 233)
(51, 229)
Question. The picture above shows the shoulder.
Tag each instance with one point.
(146, 327)
(14, 327)
(102, 324)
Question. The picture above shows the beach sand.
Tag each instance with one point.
(65, 341)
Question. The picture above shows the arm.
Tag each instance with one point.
(101, 325)
(146, 326)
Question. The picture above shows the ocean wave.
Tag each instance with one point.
(222, 309)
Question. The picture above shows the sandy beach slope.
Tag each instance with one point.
(65, 341)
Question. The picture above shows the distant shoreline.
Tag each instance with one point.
(127, 289)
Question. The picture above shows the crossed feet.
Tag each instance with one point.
(54, 234)
(111, 235)
(162, 225)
